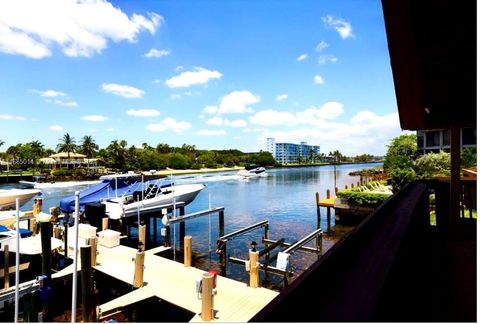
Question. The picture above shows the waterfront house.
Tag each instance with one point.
(398, 264)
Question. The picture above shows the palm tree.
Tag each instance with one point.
(36, 149)
(67, 145)
(1, 142)
(88, 146)
(116, 153)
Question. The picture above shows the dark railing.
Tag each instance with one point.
(397, 265)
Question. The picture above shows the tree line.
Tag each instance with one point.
(121, 156)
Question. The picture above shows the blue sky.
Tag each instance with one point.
(215, 74)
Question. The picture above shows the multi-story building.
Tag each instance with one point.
(439, 140)
(291, 153)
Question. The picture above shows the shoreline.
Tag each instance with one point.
(169, 172)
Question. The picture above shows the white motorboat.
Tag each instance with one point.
(8, 197)
(252, 172)
(41, 183)
(151, 200)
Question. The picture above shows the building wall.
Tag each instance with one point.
(439, 140)
(291, 153)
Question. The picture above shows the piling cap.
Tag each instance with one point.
(43, 217)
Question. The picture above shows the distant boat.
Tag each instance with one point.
(8, 197)
(152, 199)
(252, 171)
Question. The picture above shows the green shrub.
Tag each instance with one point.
(365, 199)
(62, 173)
(401, 177)
(433, 164)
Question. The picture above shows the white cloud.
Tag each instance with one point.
(49, 93)
(210, 109)
(169, 124)
(80, 28)
(155, 53)
(94, 118)
(272, 117)
(318, 80)
(302, 57)
(199, 75)
(208, 132)
(12, 117)
(110, 129)
(323, 59)
(235, 123)
(321, 46)
(237, 102)
(342, 27)
(282, 97)
(175, 96)
(121, 90)
(66, 103)
(215, 121)
(143, 112)
(56, 128)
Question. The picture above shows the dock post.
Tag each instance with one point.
(346, 187)
(187, 254)
(181, 227)
(104, 223)
(56, 232)
(138, 276)
(6, 266)
(142, 237)
(221, 223)
(87, 291)
(93, 243)
(254, 279)
(207, 296)
(46, 234)
(65, 238)
(329, 216)
(336, 191)
(319, 217)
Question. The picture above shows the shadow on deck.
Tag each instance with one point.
(394, 266)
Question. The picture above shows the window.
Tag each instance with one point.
(433, 138)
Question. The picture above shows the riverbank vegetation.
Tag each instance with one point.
(121, 156)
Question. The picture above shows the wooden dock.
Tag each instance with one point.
(173, 282)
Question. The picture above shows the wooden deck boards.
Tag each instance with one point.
(329, 202)
(173, 282)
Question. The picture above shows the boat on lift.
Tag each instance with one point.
(8, 197)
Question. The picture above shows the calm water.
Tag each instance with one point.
(286, 198)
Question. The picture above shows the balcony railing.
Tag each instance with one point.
(397, 265)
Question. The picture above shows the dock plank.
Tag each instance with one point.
(329, 202)
(173, 282)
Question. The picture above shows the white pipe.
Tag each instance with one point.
(17, 258)
(209, 225)
(75, 259)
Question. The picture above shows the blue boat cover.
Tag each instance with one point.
(108, 188)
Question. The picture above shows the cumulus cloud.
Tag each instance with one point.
(323, 59)
(186, 79)
(56, 128)
(169, 124)
(175, 96)
(79, 28)
(210, 109)
(121, 90)
(321, 46)
(94, 118)
(318, 80)
(215, 121)
(12, 117)
(143, 112)
(342, 27)
(302, 57)
(155, 53)
(209, 132)
(282, 97)
(218, 121)
(49, 93)
(237, 102)
(66, 103)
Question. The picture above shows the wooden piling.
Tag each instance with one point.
(56, 232)
(104, 223)
(207, 297)
(93, 244)
(138, 276)
(319, 217)
(187, 255)
(142, 236)
(87, 287)
(336, 191)
(346, 187)
(6, 266)
(329, 214)
(65, 238)
(221, 223)
(46, 234)
(181, 229)
(166, 239)
(254, 278)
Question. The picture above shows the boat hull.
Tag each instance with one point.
(116, 208)
(8, 197)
